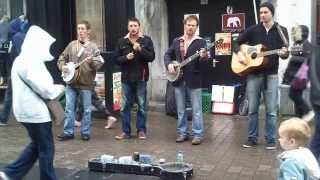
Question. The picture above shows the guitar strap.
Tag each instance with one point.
(182, 51)
(284, 39)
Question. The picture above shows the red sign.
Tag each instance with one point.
(233, 22)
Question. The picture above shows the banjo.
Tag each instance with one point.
(173, 77)
(72, 74)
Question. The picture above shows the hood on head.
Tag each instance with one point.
(24, 26)
(36, 45)
(15, 25)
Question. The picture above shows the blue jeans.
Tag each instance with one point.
(7, 104)
(255, 85)
(70, 110)
(196, 103)
(315, 141)
(132, 91)
(41, 147)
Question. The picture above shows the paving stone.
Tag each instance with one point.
(220, 156)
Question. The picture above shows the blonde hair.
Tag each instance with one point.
(296, 129)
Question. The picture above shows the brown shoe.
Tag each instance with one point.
(142, 135)
(181, 138)
(196, 141)
(122, 136)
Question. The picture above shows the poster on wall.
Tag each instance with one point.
(197, 14)
(224, 48)
(116, 87)
(233, 22)
(100, 86)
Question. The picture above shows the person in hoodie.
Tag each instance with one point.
(31, 83)
(302, 52)
(17, 41)
(296, 162)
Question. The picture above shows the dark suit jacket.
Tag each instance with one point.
(191, 72)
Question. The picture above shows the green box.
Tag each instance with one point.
(206, 102)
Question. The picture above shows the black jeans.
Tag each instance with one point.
(300, 105)
(40, 148)
(5, 64)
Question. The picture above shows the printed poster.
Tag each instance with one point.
(224, 48)
(116, 87)
(100, 86)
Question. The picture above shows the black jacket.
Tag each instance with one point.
(315, 77)
(257, 34)
(191, 72)
(136, 69)
(296, 61)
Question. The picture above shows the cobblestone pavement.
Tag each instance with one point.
(220, 156)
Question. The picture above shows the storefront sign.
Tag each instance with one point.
(233, 22)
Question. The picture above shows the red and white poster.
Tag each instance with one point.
(224, 48)
(233, 22)
(116, 87)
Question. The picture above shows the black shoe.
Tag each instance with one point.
(249, 144)
(65, 137)
(85, 137)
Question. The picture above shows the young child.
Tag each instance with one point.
(296, 162)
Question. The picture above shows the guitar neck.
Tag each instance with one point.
(196, 55)
(267, 53)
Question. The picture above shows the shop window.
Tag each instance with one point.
(4, 7)
(93, 11)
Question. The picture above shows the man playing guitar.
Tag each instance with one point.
(265, 79)
(81, 51)
(181, 48)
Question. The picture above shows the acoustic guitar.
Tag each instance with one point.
(255, 58)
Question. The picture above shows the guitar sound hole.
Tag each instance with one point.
(254, 55)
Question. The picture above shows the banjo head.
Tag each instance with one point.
(174, 76)
(177, 171)
(67, 77)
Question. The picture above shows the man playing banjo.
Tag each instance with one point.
(86, 54)
(182, 48)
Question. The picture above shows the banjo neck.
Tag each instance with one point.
(197, 54)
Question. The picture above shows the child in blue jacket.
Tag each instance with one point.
(296, 162)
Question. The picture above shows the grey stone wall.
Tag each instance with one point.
(154, 23)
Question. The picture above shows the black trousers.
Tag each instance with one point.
(300, 105)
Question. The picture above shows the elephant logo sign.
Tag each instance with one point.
(233, 22)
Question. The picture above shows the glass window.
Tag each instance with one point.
(4, 8)
(93, 11)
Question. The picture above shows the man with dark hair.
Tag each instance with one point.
(133, 53)
(265, 79)
(181, 48)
